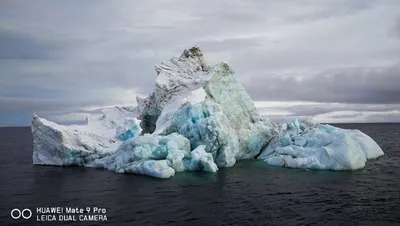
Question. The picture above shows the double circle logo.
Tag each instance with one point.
(25, 213)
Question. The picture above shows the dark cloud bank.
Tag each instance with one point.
(356, 85)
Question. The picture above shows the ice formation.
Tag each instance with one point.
(301, 144)
(197, 118)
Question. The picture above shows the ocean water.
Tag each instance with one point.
(250, 193)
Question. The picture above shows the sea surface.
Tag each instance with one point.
(250, 193)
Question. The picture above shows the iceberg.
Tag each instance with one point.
(198, 117)
(67, 145)
(61, 145)
(302, 144)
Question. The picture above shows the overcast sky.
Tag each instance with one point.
(327, 60)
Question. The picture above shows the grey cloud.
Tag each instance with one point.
(357, 85)
(383, 117)
(334, 9)
(254, 12)
(396, 28)
(335, 112)
(346, 116)
(84, 53)
(282, 55)
(28, 106)
(16, 45)
(231, 43)
(57, 79)
(323, 108)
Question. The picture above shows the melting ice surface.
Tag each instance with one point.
(197, 118)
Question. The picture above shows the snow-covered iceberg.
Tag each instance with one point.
(197, 118)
